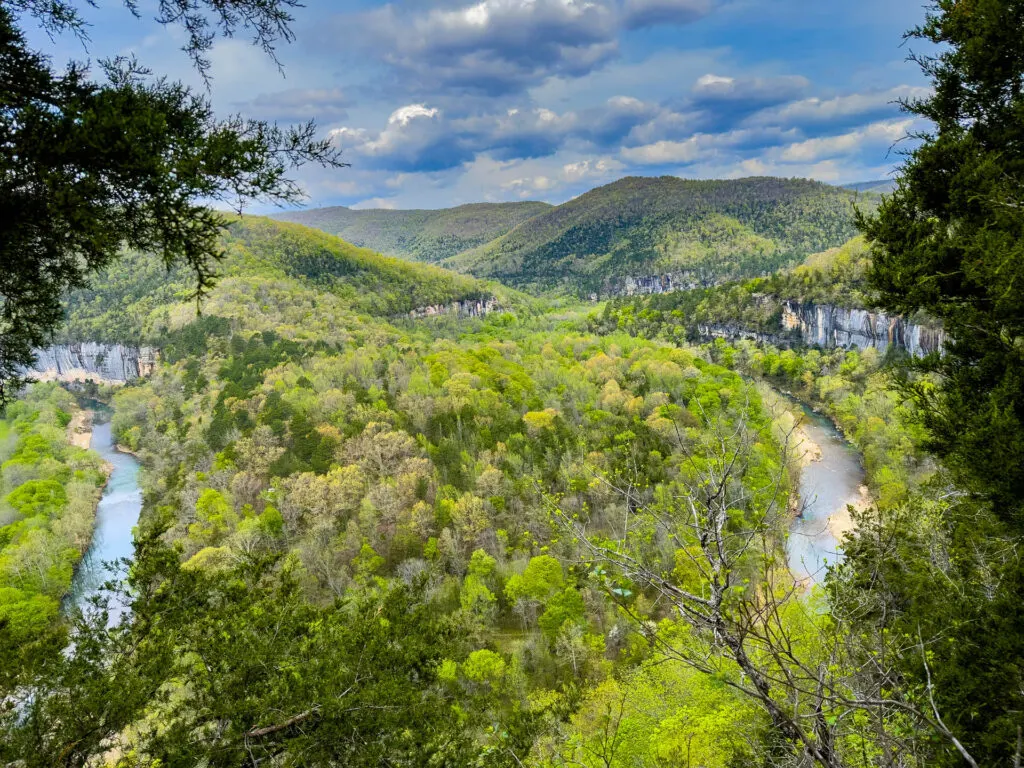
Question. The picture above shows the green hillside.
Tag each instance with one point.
(878, 186)
(836, 276)
(640, 227)
(421, 235)
(264, 259)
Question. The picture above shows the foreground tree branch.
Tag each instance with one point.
(89, 166)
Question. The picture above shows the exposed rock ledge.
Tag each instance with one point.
(467, 308)
(93, 361)
(826, 325)
(823, 325)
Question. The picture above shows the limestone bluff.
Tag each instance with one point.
(94, 361)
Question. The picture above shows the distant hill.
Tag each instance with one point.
(700, 232)
(371, 282)
(878, 187)
(419, 235)
(299, 266)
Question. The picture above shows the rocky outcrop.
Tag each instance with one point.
(465, 308)
(826, 325)
(631, 285)
(93, 361)
(732, 331)
(644, 285)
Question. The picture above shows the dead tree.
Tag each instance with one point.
(710, 550)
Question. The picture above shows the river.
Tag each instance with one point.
(826, 488)
(116, 516)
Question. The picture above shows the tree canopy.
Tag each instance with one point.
(91, 165)
(950, 241)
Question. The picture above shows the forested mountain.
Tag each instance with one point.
(122, 302)
(700, 231)
(420, 235)
(505, 532)
(878, 187)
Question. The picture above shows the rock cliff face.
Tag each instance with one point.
(102, 363)
(638, 285)
(476, 308)
(732, 331)
(824, 325)
(829, 326)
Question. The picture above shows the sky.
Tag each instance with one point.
(443, 102)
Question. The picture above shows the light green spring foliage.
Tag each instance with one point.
(657, 714)
(383, 453)
(420, 235)
(854, 387)
(288, 423)
(48, 493)
(640, 227)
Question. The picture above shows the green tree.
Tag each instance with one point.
(950, 242)
(235, 667)
(89, 167)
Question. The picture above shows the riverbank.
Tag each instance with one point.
(80, 428)
(829, 479)
(116, 516)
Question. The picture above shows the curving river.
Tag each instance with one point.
(827, 486)
(116, 516)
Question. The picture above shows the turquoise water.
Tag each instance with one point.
(116, 516)
(826, 487)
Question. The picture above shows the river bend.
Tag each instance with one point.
(116, 516)
(827, 486)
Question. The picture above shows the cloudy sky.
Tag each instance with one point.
(442, 102)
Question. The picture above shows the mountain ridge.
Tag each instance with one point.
(698, 231)
(419, 234)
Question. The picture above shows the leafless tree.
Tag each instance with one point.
(709, 548)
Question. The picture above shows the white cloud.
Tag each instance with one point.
(696, 147)
(824, 110)
(713, 88)
(403, 115)
(585, 170)
(418, 137)
(885, 132)
(497, 47)
(665, 152)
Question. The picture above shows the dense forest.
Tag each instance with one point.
(48, 493)
(419, 235)
(708, 231)
(391, 514)
(500, 489)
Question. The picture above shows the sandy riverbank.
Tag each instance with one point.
(841, 522)
(804, 448)
(80, 428)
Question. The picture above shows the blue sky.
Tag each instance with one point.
(443, 102)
